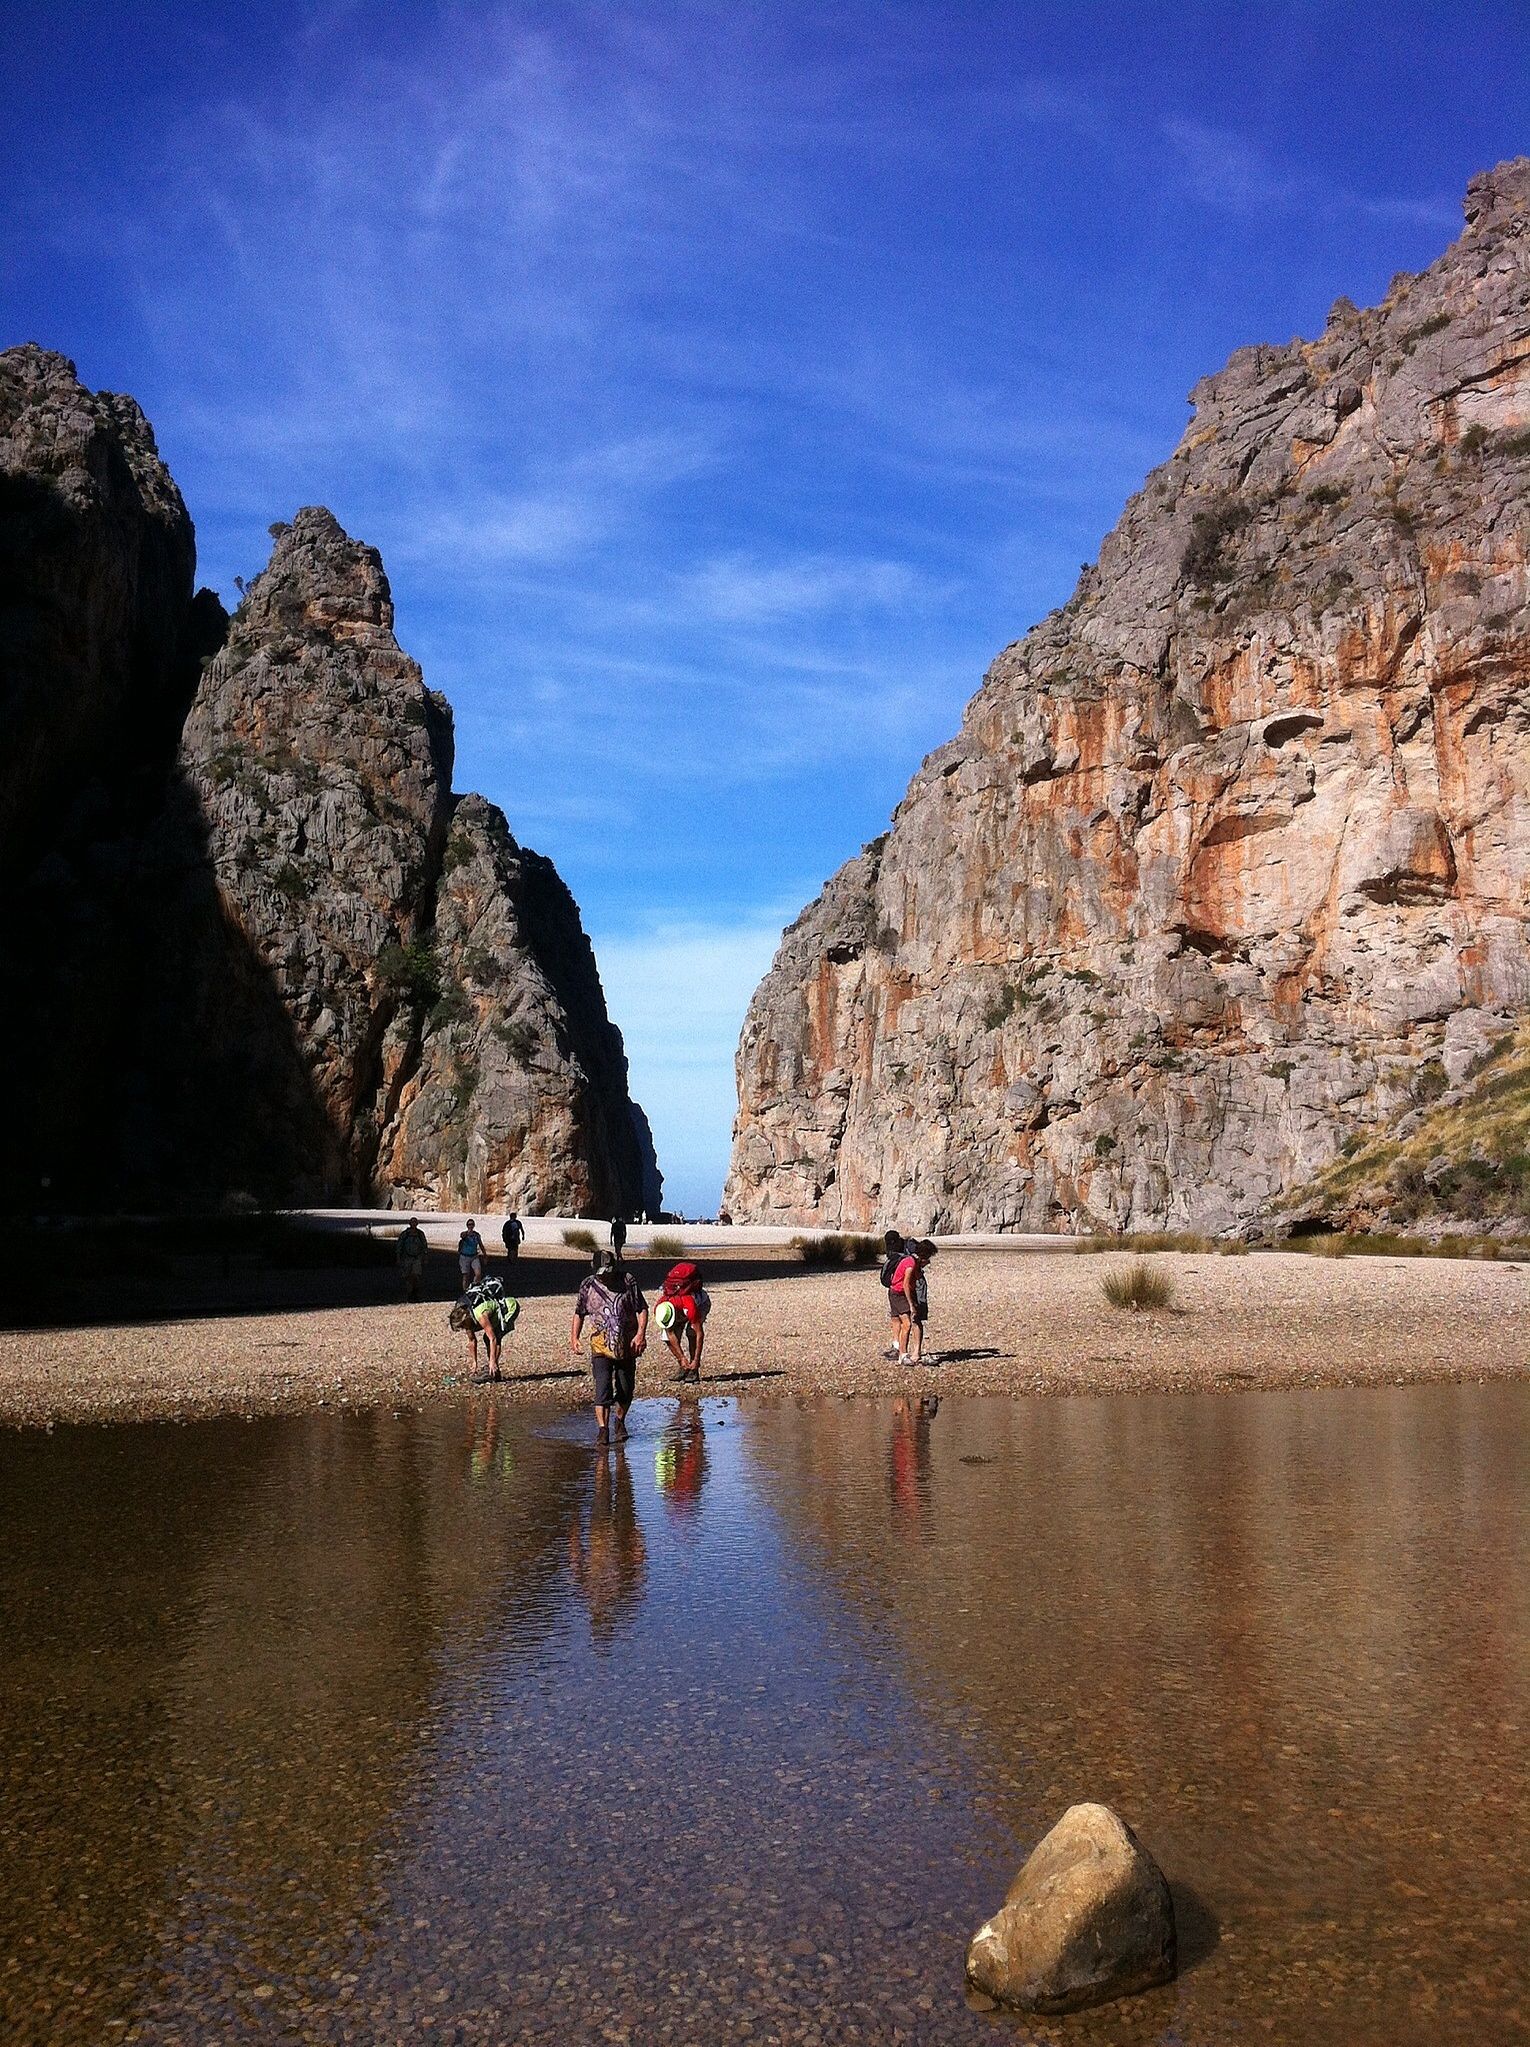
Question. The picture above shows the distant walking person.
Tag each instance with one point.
(470, 1255)
(684, 1306)
(610, 1302)
(892, 1249)
(618, 1234)
(411, 1250)
(513, 1233)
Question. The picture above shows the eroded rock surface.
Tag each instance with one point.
(437, 975)
(1089, 1918)
(1225, 843)
(252, 940)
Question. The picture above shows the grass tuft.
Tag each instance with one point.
(664, 1244)
(1137, 1287)
(579, 1240)
(836, 1249)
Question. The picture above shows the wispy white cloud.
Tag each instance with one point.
(1227, 171)
(743, 589)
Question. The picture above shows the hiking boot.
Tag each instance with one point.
(602, 1436)
(619, 1431)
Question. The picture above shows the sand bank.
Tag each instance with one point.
(1027, 1325)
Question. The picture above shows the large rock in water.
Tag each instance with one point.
(1088, 1918)
(1222, 845)
(252, 939)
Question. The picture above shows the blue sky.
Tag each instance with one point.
(723, 384)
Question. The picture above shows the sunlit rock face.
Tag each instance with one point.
(437, 975)
(1224, 844)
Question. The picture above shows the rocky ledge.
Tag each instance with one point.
(1224, 845)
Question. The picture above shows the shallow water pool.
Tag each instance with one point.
(441, 1727)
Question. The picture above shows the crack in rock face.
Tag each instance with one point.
(1224, 843)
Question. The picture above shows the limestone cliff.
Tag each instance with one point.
(252, 940)
(1230, 848)
(437, 975)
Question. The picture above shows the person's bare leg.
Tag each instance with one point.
(698, 1345)
(900, 1330)
(602, 1423)
(915, 1340)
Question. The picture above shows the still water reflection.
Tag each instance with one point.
(442, 1728)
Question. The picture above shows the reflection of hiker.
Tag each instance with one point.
(470, 1254)
(911, 1299)
(618, 1234)
(892, 1248)
(608, 1566)
(486, 1310)
(513, 1233)
(610, 1302)
(680, 1463)
(908, 1460)
(411, 1250)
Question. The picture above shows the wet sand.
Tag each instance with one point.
(1015, 1323)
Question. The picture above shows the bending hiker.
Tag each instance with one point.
(684, 1306)
(609, 1300)
(411, 1250)
(512, 1233)
(892, 1255)
(486, 1310)
(911, 1300)
(470, 1255)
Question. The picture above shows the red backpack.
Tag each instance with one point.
(681, 1280)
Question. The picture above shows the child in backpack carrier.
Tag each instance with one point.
(682, 1315)
(486, 1310)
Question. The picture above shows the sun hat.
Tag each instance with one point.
(664, 1314)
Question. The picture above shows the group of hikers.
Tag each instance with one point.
(611, 1310)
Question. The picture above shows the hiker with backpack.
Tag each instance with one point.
(893, 1249)
(411, 1251)
(486, 1310)
(511, 1235)
(684, 1306)
(910, 1297)
(612, 1304)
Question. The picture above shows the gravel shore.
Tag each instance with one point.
(1032, 1324)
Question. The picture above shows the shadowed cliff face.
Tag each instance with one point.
(271, 952)
(436, 973)
(1231, 847)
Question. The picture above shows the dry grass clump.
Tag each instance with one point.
(1144, 1242)
(579, 1240)
(665, 1244)
(1232, 1247)
(1380, 1244)
(838, 1250)
(1137, 1287)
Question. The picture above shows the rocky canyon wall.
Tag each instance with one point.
(253, 941)
(1232, 853)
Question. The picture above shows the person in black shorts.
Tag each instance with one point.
(611, 1303)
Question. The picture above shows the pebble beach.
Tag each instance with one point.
(1027, 1324)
